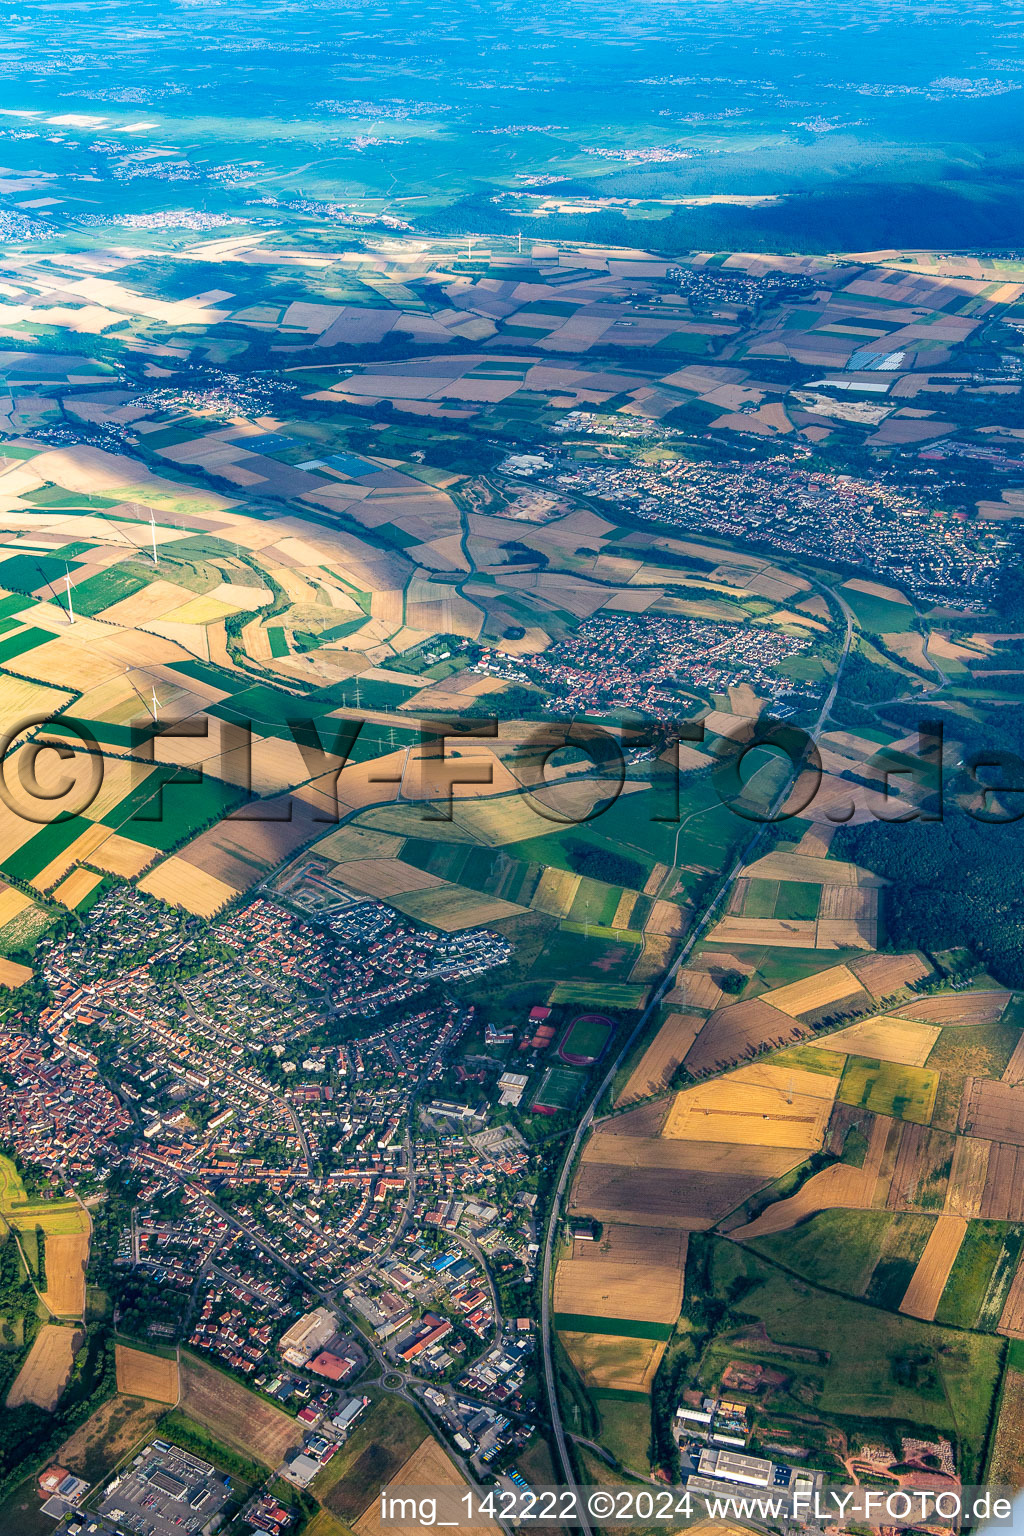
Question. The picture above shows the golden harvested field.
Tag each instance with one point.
(818, 991)
(139, 1374)
(617, 1364)
(119, 855)
(12, 974)
(234, 1415)
(12, 901)
(454, 907)
(384, 877)
(356, 843)
(556, 892)
(883, 975)
(992, 1110)
(67, 1255)
(967, 1178)
(814, 870)
(1006, 1467)
(428, 1467)
(599, 1287)
(758, 1105)
(928, 1281)
(655, 1067)
(960, 1008)
(782, 932)
(840, 1186)
(181, 884)
(76, 886)
(888, 1039)
(1011, 1321)
(729, 1032)
(75, 853)
(47, 1367)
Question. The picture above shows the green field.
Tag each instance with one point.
(102, 591)
(838, 1249)
(608, 994)
(619, 1327)
(586, 1037)
(559, 1089)
(887, 1088)
(27, 861)
(987, 1248)
(876, 1365)
(12, 1190)
(24, 640)
(626, 1429)
(372, 1454)
(879, 615)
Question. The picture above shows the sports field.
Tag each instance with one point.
(585, 1040)
(559, 1089)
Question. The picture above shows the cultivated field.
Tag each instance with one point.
(154, 1377)
(731, 1031)
(959, 1008)
(632, 1272)
(234, 1415)
(67, 1256)
(428, 1467)
(1011, 1321)
(761, 1104)
(47, 1367)
(921, 1169)
(992, 1110)
(1006, 1466)
(612, 1362)
(968, 1176)
(899, 1040)
(653, 1071)
(836, 985)
(885, 975)
(181, 884)
(840, 1186)
(929, 1279)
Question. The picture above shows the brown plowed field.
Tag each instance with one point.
(653, 1071)
(1011, 1321)
(885, 974)
(918, 1182)
(960, 1008)
(731, 1030)
(993, 1110)
(1003, 1199)
(668, 1197)
(234, 1415)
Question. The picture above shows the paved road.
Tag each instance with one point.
(569, 1160)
